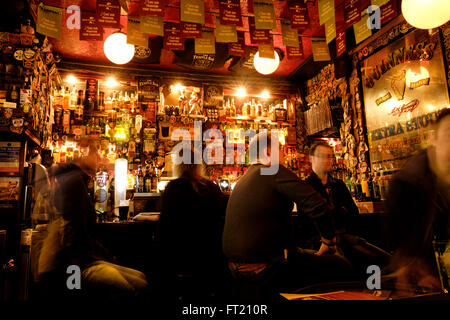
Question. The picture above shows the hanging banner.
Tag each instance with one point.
(360, 28)
(320, 49)
(352, 12)
(289, 35)
(134, 34)
(238, 49)
(264, 14)
(298, 14)
(258, 36)
(225, 34)
(108, 13)
(294, 53)
(205, 44)
(152, 25)
(326, 10)
(388, 11)
(90, 29)
(152, 8)
(379, 3)
(340, 43)
(192, 11)
(230, 12)
(172, 36)
(191, 30)
(49, 21)
(266, 51)
(330, 30)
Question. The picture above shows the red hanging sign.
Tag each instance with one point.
(173, 39)
(298, 15)
(258, 36)
(340, 42)
(352, 12)
(230, 12)
(388, 11)
(191, 30)
(108, 13)
(238, 48)
(152, 8)
(294, 53)
(90, 28)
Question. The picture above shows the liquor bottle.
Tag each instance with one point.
(132, 103)
(233, 109)
(66, 121)
(253, 109)
(79, 108)
(73, 98)
(121, 101)
(108, 103)
(59, 99)
(115, 102)
(154, 176)
(126, 102)
(101, 101)
(66, 98)
(148, 179)
(371, 188)
(365, 187)
(14, 95)
(376, 187)
(140, 180)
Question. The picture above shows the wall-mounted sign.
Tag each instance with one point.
(148, 89)
(403, 87)
(9, 156)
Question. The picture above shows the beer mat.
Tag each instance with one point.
(147, 216)
(336, 295)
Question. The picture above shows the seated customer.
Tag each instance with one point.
(69, 240)
(191, 224)
(257, 225)
(356, 249)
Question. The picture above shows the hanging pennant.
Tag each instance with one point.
(320, 49)
(326, 10)
(330, 30)
(191, 30)
(205, 44)
(360, 28)
(230, 12)
(258, 36)
(352, 10)
(49, 21)
(192, 11)
(238, 48)
(134, 34)
(108, 13)
(388, 11)
(225, 34)
(340, 43)
(294, 53)
(264, 14)
(298, 15)
(152, 8)
(172, 36)
(379, 3)
(90, 29)
(152, 25)
(289, 35)
(266, 51)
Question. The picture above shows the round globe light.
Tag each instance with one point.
(426, 14)
(117, 50)
(264, 65)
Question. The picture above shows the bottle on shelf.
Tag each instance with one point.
(148, 179)
(73, 98)
(108, 103)
(101, 101)
(79, 108)
(154, 184)
(132, 103)
(140, 180)
(66, 98)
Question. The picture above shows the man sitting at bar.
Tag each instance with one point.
(69, 241)
(257, 231)
(360, 253)
(419, 205)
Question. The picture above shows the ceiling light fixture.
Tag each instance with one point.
(265, 65)
(426, 14)
(117, 50)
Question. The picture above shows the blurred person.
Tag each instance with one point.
(191, 224)
(69, 240)
(258, 231)
(356, 249)
(418, 205)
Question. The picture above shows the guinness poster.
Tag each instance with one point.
(403, 86)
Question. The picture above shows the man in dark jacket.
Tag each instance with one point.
(257, 229)
(69, 242)
(419, 206)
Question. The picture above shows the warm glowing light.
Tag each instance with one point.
(71, 79)
(120, 133)
(117, 50)
(264, 65)
(426, 14)
(111, 82)
(178, 87)
(412, 76)
(121, 179)
(241, 92)
(265, 95)
(431, 107)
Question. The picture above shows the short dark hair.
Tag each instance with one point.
(441, 114)
(317, 144)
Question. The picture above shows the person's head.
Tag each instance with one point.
(260, 149)
(321, 156)
(440, 139)
(89, 161)
(189, 169)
